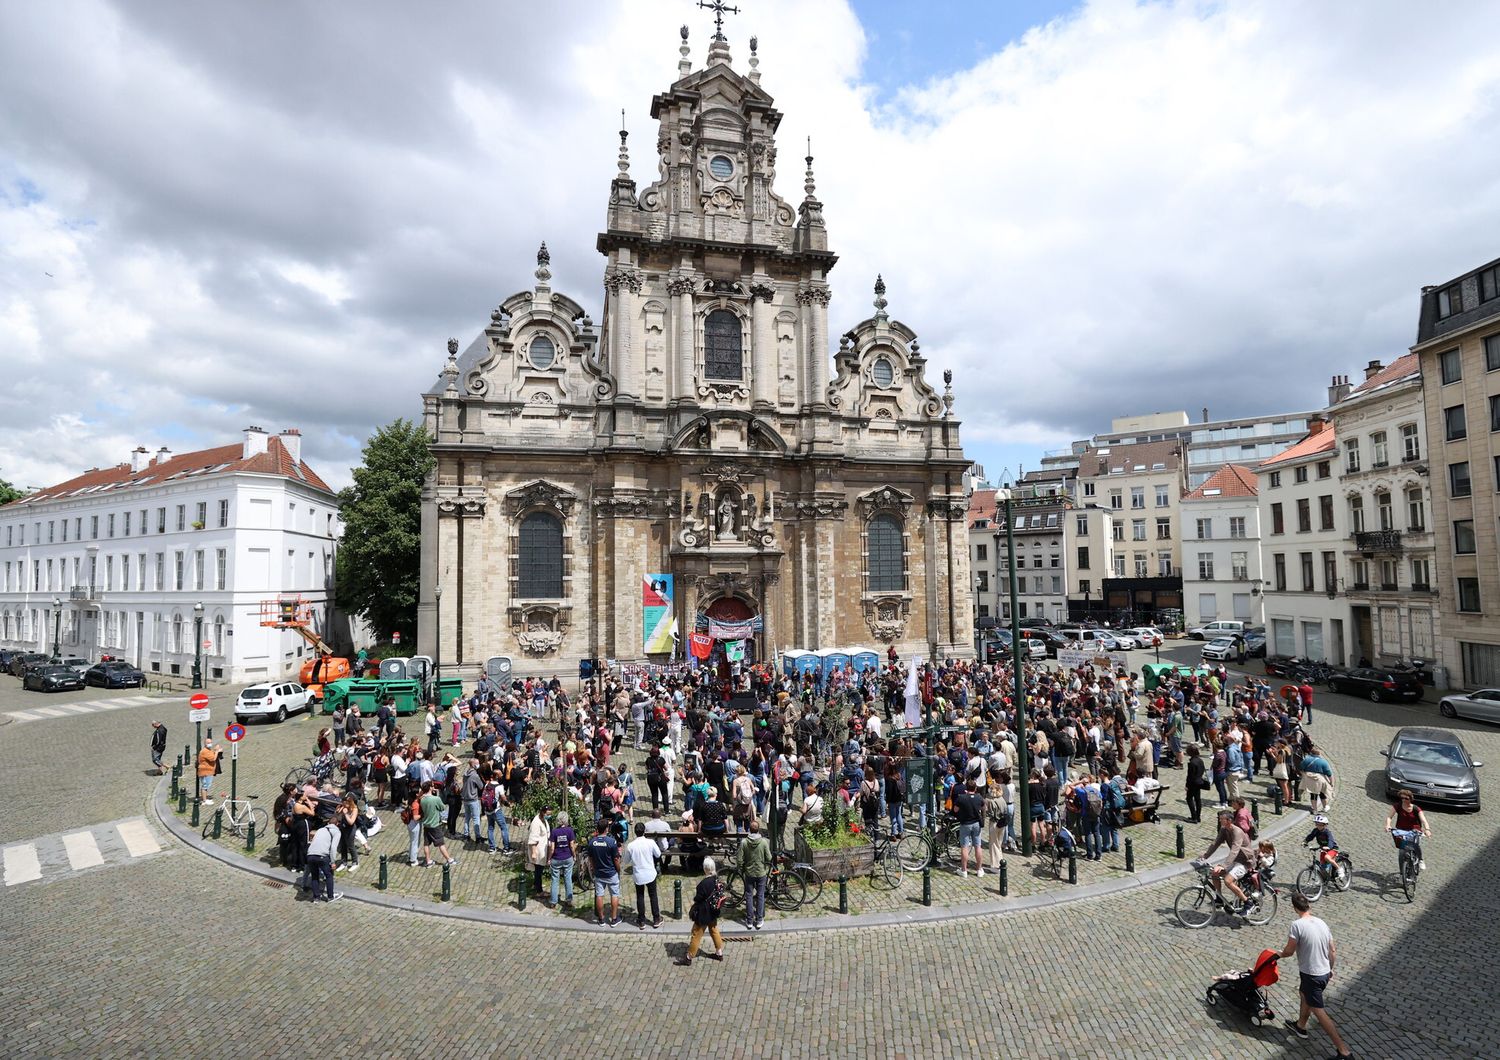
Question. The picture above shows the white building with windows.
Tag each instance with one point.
(115, 560)
(1221, 564)
(1304, 537)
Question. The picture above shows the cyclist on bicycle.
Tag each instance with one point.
(1407, 816)
(1241, 855)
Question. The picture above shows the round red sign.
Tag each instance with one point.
(198, 700)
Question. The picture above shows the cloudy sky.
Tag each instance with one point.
(217, 214)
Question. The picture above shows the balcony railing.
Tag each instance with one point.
(1378, 540)
(84, 592)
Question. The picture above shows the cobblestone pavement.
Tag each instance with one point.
(181, 955)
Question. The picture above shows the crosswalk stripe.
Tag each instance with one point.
(50, 712)
(76, 708)
(137, 837)
(23, 715)
(21, 864)
(83, 852)
(114, 704)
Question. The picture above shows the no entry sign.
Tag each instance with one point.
(198, 700)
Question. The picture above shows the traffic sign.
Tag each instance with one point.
(234, 753)
(234, 733)
(198, 714)
(208, 644)
(198, 700)
(396, 637)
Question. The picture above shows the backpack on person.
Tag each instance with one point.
(1095, 803)
(489, 798)
(410, 810)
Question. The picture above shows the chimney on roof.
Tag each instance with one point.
(255, 442)
(1316, 425)
(1205, 414)
(1373, 369)
(1338, 390)
(139, 459)
(162, 455)
(291, 438)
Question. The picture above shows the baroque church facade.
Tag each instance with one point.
(696, 462)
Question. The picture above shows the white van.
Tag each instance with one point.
(1210, 630)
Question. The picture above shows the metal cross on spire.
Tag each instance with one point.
(718, 7)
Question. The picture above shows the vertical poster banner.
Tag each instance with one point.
(656, 606)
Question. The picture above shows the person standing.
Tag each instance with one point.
(1195, 785)
(708, 900)
(433, 728)
(753, 860)
(158, 746)
(536, 847)
(645, 857)
(320, 862)
(604, 860)
(1312, 942)
(969, 809)
(433, 805)
(560, 849)
(1305, 697)
(208, 768)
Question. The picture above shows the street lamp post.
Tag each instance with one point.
(198, 644)
(437, 641)
(978, 633)
(1023, 771)
(57, 626)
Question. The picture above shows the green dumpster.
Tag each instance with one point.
(449, 690)
(368, 693)
(336, 694)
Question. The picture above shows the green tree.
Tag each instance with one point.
(380, 559)
(9, 493)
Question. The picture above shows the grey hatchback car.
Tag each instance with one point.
(1435, 765)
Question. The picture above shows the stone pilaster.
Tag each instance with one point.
(763, 343)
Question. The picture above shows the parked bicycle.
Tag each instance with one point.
(316, 771)
(918, 848)
(1197, 905)
(1408, 861)
(1329, 868)
(786, 888)
(236, 817)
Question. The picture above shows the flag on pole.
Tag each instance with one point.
(913, 699)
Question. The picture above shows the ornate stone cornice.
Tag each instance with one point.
(624, 277)
(765, 292)
(470, 507)
(821, 509)
(681, 286)
(622, 504)
(950, 508)
(542, 495)
(885, 498)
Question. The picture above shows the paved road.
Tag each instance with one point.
(177, 955)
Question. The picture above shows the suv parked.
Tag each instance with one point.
(271, 700)
(1210, 630)
(114, 674)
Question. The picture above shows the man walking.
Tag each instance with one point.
(158, 746)
(645, 858)
(1312, 942)
(754, 863)
(604, 858)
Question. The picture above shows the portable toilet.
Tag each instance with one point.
(831, 660)
(865, 660)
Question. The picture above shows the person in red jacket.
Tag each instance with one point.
(1305, 694)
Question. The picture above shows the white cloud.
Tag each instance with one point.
(280, 220)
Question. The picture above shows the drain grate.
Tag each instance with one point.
(275, 885)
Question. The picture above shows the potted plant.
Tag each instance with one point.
(197, 524)
(836, 846)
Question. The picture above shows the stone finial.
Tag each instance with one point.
(543, 259)
(684, 32)
(452, 347)
(450, 368)
(809, 185)
(880, 302)
(624, 162)
(685, 63)
(754, 74)
(947, 391)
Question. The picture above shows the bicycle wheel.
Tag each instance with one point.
(262, 821)
(1409, 875)
(914, 851)
(734, 886)
(787, 891)
(1262, 909)
(297, 776)
(951, 848)
(887, 872)
(1310, 883)
(1344, 875)
(812, 878)
(1194, 908)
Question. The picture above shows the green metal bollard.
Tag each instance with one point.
(176, 773)
(1129, 854)
(926, 884)
(843, 894)
(1072, 868)
(1276, 800)
(1181, 843)
(384, 870)
(196, 806)
(676, 899)
(1004, 878)
(218, 822)
(187, 754)
(523, 885)
(447, 882)
(182, 800)
(250, 836)
(1255, 811)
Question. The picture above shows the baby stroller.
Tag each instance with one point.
(1245, 990)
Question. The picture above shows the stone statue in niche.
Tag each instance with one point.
(727, 518)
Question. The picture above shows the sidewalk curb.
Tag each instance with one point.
(508, 918)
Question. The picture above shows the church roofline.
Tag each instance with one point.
(611, 239)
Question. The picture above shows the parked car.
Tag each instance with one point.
(50, 678)
(1483, 705)
(1255, 643)
(6, 655)
(1102, 639)
(1049, 639)
(1222, 649)
(73, 662)
(114, 675)
(1210, 630)
(1126, 639)
(1000, 644)
(1147, 636)
(1435, 765)
(271, 700)
(1378, 685)
(22, 658)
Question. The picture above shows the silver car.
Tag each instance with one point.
(1435, 765)
(1221, 649)
(1483, 705)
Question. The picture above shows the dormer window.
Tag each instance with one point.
(721, 167)
(542, 353)
(882, 372)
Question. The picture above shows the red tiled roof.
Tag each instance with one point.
(1312, 444)
(223, 459)
(981, 506)
(1231, 480)
(1400, 368)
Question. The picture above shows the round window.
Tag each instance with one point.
(721, 167)
(882, 372)
(542, 353)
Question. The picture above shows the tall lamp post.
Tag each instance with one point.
(437, 642)
(978, 633)
(198, 645)
(57, 626)
(1023, 771)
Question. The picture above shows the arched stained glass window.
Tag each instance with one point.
(887, 564)
(540, 557)
(723, 346)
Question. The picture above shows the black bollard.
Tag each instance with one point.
(522, 886)
(1255, 811)
(843, 894)
(926, 884)
(1276, 799)
(218, 821)
(676, 899)
(1181, 843)
(172, 791)
(447, 881)
(182, 800)
(1004, 878)
(1129, 855)
(1072, 868)
(250, 836)
(196, 806)
(384, 873)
